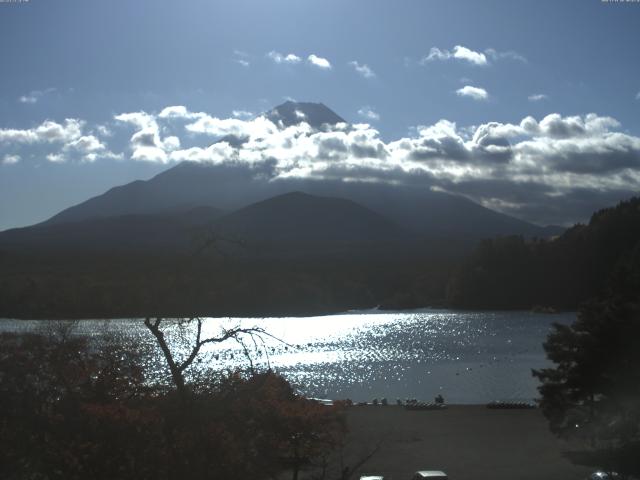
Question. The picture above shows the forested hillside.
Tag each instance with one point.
(511, 272)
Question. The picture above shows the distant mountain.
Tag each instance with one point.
(421, 210)
(174, 231)
(294, 222)
(299, 218)
(177, 189)
(231, 187)
(429, 213)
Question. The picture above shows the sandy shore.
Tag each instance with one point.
(467, 442)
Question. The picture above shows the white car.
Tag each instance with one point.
(372, 477)
(600, 475)
(430, 474)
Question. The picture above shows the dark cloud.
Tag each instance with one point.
(449, 148)
(373, 150)
(332, 147)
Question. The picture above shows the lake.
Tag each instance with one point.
(468, 357)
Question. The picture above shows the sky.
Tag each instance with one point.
(527, 107)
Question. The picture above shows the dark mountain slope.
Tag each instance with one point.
(185, 185)
(177, 231)
(297, 254)
(426, 212)
(293, 222)
(298, 217)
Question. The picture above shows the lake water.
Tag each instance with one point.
(468, 357)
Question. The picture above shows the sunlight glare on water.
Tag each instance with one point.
(469, 357)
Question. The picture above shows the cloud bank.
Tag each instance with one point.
(536, 168)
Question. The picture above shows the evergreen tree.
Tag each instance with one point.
(593, 390)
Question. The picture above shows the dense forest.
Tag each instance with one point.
(592, 391)
(292, 254)
(581, 264)
(73, 285)
(508, 272)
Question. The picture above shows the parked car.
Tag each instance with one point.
(372, 477)
(601, 475)
(429, 474)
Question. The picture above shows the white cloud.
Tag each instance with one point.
(216, 154)
(363, 69)
(35, 95)
(292, 58)
(10, 159)
(508, 55)
(88, 148)
(319, 62)
(464, 53)
(56, 158)
(13, 135)
(242, 114)
(104, 131)
(146, 143)
(369, 113)
(282, 58)
(476, 93)
(537, 97)
(459, 53)
(218, 127)
(138, 119)
(86, 144)
(241, 58)
(74, 144)
(48, 131)
(555, 125)
(638, 96)
(55, 132)
(28, 98)
(179, 111)
(474, 57)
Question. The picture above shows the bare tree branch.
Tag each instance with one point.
(177, 368)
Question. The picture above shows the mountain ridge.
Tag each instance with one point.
(231, 187)
(293, 221)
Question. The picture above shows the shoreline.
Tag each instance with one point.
(301, 315)
(468, 442)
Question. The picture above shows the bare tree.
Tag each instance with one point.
(177, 368)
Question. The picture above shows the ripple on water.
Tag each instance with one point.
(470, 357)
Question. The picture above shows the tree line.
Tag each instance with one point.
(74, 408)
(562, 273)
(592, 391)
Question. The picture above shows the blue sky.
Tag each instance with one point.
(402, 67)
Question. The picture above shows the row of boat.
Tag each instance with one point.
(511, 405)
